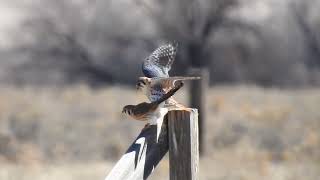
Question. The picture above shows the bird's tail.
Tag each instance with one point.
(176, 78)
(170, 81)
(181, 78)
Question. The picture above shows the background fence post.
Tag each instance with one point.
(197, 93)
(183, 145)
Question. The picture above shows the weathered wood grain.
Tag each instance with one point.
(183, 145)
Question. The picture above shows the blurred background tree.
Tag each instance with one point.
(256, 42)
(264, 62)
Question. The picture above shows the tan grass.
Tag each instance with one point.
(78, 133)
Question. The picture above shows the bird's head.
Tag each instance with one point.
(143, 83)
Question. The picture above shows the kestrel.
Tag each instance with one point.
(153, 112)
(155, 88)
(157, 82)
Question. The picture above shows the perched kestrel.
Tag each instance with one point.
(158, 87)
(153, 112)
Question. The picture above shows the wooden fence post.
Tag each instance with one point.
(181, 127)
(197, 93)
(183, 145)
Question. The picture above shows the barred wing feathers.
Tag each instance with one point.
(159, 63)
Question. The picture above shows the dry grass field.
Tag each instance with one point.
(79, 133)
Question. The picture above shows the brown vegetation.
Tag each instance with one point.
(252, 133)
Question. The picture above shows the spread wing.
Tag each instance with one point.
(159, 63)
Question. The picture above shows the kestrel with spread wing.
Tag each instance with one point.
(157, 82)
(153, 112)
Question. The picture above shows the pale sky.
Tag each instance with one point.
(10, 16)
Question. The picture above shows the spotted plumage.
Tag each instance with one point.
(159, 62)
(158, 87)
